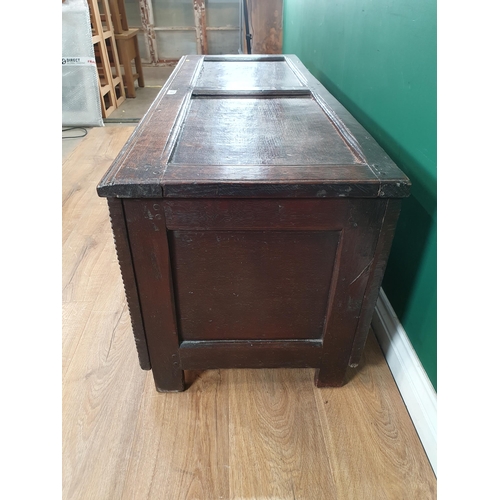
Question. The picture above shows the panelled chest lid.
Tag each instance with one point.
(250, 126)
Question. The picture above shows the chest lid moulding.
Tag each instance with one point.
(253, 218)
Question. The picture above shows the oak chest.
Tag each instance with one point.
(253, 218)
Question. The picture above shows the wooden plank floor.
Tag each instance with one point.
(234, 434)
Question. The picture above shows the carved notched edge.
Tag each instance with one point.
(125, 262)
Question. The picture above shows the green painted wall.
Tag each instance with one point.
(378, 58)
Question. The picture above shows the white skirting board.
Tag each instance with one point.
(415, 387)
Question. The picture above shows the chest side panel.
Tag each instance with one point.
(248, 270)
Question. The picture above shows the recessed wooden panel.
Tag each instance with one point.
(252, 284)
(269, 131)
(236, 75)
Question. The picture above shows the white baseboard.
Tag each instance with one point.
(415, 387)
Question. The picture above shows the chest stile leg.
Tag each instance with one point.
(151, 257)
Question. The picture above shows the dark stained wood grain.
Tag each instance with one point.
(210, 118)
(274, 131)
(252, 284)
(238, 74)
(246, 58)
(267, 214)
(377, 271)
(386, 170)
(150, 252)
(142, 161)
(208, 354)
(330, 175)
(355, 258)
(120, 235)
(250, 93)
(270, 189)
(258, 217)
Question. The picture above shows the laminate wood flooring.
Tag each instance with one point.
(233, 434)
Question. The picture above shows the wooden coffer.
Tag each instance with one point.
(253, 218)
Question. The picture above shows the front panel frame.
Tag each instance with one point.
(359, 223)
